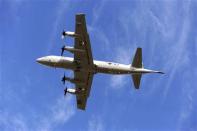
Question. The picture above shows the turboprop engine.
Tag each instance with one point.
(64, 78)
(73, 91)
(71, 49)
(69, 33)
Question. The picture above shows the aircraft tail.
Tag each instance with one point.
(137, 63)
(137, 60)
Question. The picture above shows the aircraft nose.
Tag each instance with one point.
(46, 60)
(40, 60)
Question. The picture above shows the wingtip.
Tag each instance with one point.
(139, 48)
(161, 72)
(80, 14)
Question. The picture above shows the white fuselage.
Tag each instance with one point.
(99, 66)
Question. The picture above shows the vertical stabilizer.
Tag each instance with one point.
(137, 60)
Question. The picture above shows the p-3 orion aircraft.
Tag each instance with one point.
(84, 66)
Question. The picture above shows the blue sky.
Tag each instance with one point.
(31, 95)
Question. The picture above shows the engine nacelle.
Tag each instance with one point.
(69, 33)
(74, 81)
(71, 91)
(74, 91)
(73, 50)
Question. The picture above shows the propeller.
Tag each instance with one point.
(62, 52)
(65, 91)
(63, 34)
(64, 79)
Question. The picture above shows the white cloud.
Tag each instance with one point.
(95, 124)
(187, 106)
(63, 110)
(12, 122)
(122, 55)
(14, 8)
(179, 55)
(1, 61)
(101, 36)
(118, 81)
(62, 6)
(60, 113)
(97, 12)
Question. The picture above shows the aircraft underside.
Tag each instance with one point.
(84, 66)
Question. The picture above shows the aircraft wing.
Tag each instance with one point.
(82, 42)
(85, 61)
(86, 78)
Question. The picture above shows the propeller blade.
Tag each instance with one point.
(63, 34)
(62, 37)
(62, 52)
(64, 79)
(65, 91)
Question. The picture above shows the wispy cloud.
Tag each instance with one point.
(117, 82)
(14, 6)
(122, 55)
(101, 37)
(187, 117)
(177, 59)
(60, 113)
(14, 122)
(62, 6)
(1, 61)
(179, 54)
(95, 124)
(97, 12)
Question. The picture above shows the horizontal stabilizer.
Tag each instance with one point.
(136, 80)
